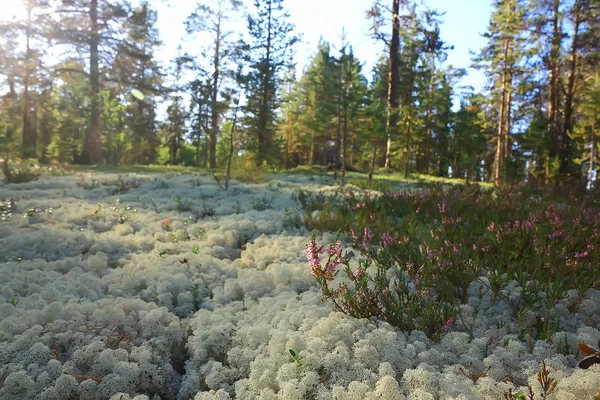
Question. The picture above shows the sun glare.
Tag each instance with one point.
(11, 9)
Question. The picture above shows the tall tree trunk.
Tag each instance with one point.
(345, 127)
(338, 133)
(288, 141)
(263, 116)
(198, 128)
(565, 149)
(393, 81)
(214, 120)
(372, 170)
(407, 152)
(498, 166)
(553, 81)
(92, 147)
(429, 134)
(409, 100)
(311, 153)
(231, 148)
(28, 137)
(45, 135)
(507, 128)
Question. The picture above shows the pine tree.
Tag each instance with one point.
(212, 18)
(289, 124)
(175, 127)
(31, 31)
(137, 69)
(393, 68)
(83, 24)
(353, 100)
(267, 53)
(500, 60)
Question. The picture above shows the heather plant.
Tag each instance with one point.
(121, 185)
(373, 290)
(183, 205)
(262, 203)
(442, 240)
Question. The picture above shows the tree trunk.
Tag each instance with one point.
(553, 81)
(409, 99)
(338, 133)
(565, 149)
(507, 131)
(231, 148)
(214, 121)
(374, 156)
(311, 154)
(92, 147)
(498, 167)
(345, 133)
(393, 81)
(429, 134)
(288, 140)
(28, 137)
(263, 120)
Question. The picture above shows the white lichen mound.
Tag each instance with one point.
(144, 296)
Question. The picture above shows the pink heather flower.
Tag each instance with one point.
(555, 235)
(491, 227)
(312, 254)
(332, 264)
(581, 255)
(360, 273)
(368, 235)
(448, 324)
(528, 225)
(335, 249)
(442, 206)
(387, 240)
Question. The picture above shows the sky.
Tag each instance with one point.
(464, 22)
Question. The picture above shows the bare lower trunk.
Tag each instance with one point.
(214, 120)
(343, 153)
(231, 147)
(393, 80)
(570, 93)
(92, 148)
(553, 82)
(370, 181)
(264, 137)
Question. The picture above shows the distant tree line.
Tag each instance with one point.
(80, 83)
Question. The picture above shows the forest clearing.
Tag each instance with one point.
(166, 285)
(299, 199)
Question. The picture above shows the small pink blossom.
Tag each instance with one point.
(387, 240)
(312, 254)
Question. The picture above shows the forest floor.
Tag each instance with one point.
(159, 283)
